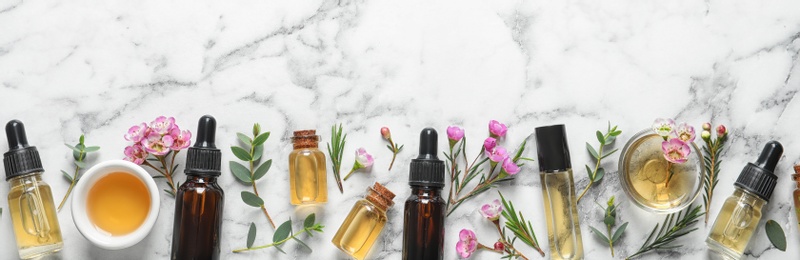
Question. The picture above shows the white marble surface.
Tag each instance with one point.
(98, 67)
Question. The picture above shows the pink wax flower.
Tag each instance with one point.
(162, 125)
(685, 132)
(455, 133)
(498, 154)
(489, 144)
(664, 127)
(496, 129)
(157, 144)
(181, 139)
(467, 243)
(137, 133)
(675, 150)
(510, 166)
(492, 210)
(363, 160)
(135, 154)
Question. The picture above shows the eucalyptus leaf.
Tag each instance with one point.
(592, 151)
(251, 199)
(600, 137)
(260, 139)
(241, 173)
(73, 148)
(599, 175)
(282, 232)
(599, 235)
(618, 233)
(66, 175)
(309, 220)
(303, 244)
(609, 220)
(610, 139)
(244, 138)
(776, 235)
(262, 170)
(589, 172)
(251, 235)
(91, 149)
(80, 164)
(241, 153)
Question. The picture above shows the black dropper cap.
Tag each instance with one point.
(204, 158)
(552, 148)
(21, 158)
(758, 178)
(427, 169)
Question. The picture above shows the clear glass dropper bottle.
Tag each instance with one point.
(30, 200)
(739, 216)
(558, 190)
(199, 201)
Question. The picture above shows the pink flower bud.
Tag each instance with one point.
(455, 133)
(705, 135)
(385, 133)
(707, 126)
(496, 129)
(489, 143)
(499, 246)
(721, 131)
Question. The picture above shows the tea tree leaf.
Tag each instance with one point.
(241, 173)
(262, 170)
(712, 149)
(241, 153)
(251, 199)
(523, 230)
(675, 225)
(335, 151)
(776, 235)
(251, 235)
(283, 231)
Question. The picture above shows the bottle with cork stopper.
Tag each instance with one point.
(796, 195)
(307, 173)
(365, 222)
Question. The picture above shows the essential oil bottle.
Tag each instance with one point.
(796, 195)
(30, 200)
(558, 190)
(364, 223)
(423, 226)
(307, 176)
(199, 200)
(739, 216)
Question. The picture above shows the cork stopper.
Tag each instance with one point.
(305, 139)
(796, 175)
(380, 196)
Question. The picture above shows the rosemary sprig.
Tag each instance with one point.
(605, 139)
(79, 152)
(335, 148)
(283, 234)
(610, 219)
(711, 153)
(251, 153)
(675, 226)
(523, 230)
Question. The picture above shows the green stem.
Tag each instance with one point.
(255, 189)
(610, 242)
(669, 175)
(307, 229)
(596, 167)
(394, 153)
(350, 173)
(69, 190)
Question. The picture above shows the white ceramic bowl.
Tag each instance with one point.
(81, 218)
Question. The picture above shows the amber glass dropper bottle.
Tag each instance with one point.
(423, 228)
(199, 201)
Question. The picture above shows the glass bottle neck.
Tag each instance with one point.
(201, 178)
(426, 191)
(19, 179)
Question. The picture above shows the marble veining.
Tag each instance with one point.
(98, 67)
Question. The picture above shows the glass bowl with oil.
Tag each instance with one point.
(644, 171)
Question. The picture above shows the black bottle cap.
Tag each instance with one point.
(204, 158)
(758, 178)
(21, 158)
(552, 148)
(427, 169)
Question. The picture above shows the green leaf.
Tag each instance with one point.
(592, 151)
(309, 220)
(257, 152)
(609, 220)
(79, 164)
(170, 192)
(302, 244)
(244, 138)
(589, 172)
(599, 235)
(66, 175)
(608, 153)
(776, 235)
(599, 175)
(262, 170)
(282, 232)
(251, 235)
(241, 173)
(91, 149)
(73, 148)
(260, 139)
(600, 137)
(618, 233)
(251, 199)
(240, 153)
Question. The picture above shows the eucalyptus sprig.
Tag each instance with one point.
(335, 148)
(79, 152)
(711, 153)
(610, 219)
(675, 226)
(523, 230)
(283, 234)
(251, 152)
(605, 139)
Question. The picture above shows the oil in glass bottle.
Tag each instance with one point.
(199, 201)
(741, 212)
(307, 176)
(30, 200)
(423, 227)
(558, 190)
(365, 222)
(796, 195)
